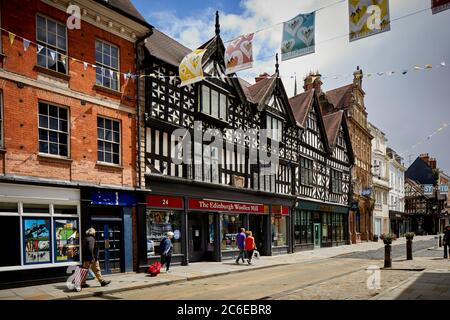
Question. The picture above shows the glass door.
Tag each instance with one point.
(109, 244)
(317, 235)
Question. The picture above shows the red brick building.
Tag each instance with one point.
(68, 133)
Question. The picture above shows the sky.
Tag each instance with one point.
(407, 108)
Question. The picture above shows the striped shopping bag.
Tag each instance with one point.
(80, 277)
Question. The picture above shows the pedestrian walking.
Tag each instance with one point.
(250, 246)
(165, 249)
(90, 258)
(446, 241)
(240, 240)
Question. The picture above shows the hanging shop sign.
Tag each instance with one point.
(165, 202)
(443, 189)
(368, 17)
(428, 189)
(224, 206)
(439, 5)
(298, 36)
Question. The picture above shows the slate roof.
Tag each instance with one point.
(340, 97)
(125, 7)
(300, 105)
(332, 124)
(166, 48)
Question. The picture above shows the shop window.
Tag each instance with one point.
(211, 233)
(8, 207)
(36, 240)
(158, 224)
(214, 103)
(303, 227)
(107, 61)
(327, 228)
(108, 135)
(10, 248)
(36, 208)
(67, 240)
(278, 230)
(229, 225)
(52, 36)
(64, 209)
(1, 119)
(53, 130)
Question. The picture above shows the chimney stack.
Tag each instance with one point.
(313, 81)
(261, 77)
(425, 157)
(433, 163)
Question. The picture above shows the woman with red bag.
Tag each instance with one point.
(250, 246)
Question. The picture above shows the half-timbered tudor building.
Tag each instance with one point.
(205, 202)
(320, 217)
(220, 188)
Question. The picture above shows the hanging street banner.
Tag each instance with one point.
(298, 36)
(368, 17)
(239, 54)
(439, 5)
(191, 68)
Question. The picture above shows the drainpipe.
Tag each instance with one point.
(138, 67)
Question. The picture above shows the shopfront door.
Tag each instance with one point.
(198, 233)
(257, 227)
(109, 242)
(317, 235)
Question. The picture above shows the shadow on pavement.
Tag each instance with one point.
(428, 286)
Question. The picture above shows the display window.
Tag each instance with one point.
(303, 227)
(36, 240)
(229, 225)
(327, 228)
(67, 240)
(10, 254)
(279, 228)
(158, 224)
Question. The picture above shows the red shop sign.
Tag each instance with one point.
(165, 202)
(225, 206)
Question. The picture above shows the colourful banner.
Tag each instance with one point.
(439, 5)
(239, 54)
(191, 68)
(368, 17)
(298, 36)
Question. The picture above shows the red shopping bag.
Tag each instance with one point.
(80, 277)
(154, 269)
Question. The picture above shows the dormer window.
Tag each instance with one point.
(312, 121)
(274, 128)
(214, 103)
(340, 139)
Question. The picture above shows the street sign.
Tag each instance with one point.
(443, 188)
(428, 189)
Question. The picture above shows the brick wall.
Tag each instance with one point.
(21, 104)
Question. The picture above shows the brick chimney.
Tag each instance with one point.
(433, 163)
(261, 77)
(425, 157)
(357, 77)
(313, 81)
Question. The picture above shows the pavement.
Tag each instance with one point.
(202, 270)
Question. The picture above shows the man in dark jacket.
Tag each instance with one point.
(446, 242)
(166, 248)
(90, 257)
(240, 241)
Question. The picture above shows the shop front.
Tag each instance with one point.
(400, 223)
(110, 213)
(317, 225)
(205, 229)
(40, 233)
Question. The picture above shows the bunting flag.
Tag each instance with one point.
(439, 5)
(85, 65)
(111, 73)
(298, 36)
(26, 44)
(39, 48)
(12, 36)
(191, 67)
(368, 17)
(63, 59)
(239, 54)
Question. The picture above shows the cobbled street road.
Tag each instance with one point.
(341, 277)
